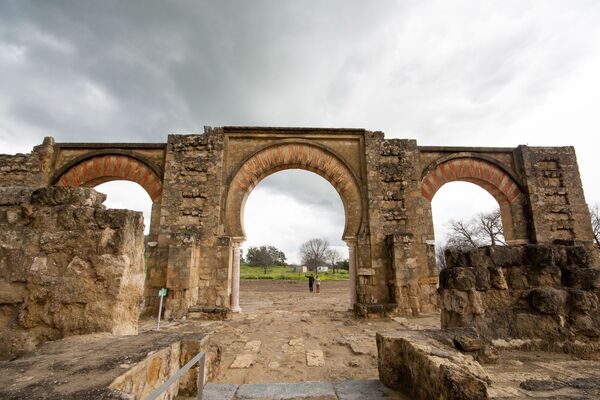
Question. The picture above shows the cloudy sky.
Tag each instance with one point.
(493, 73)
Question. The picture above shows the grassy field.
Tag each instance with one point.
(287, 273)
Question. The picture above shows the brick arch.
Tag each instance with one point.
(489, 176)
(480, 172)
(110, 167)
(298, 155)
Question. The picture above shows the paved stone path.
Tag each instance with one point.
(318, 390)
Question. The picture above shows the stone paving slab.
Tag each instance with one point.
(317, 390)
(366, 390)
(287, 391)
(220, 391)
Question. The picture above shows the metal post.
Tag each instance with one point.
(200, 377)
(159, 309)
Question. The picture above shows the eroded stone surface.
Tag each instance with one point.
(416, 362)
(67, 266)
(243, 361)
(315, 358)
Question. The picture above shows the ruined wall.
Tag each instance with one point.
(559, 213)
(533, 291)
(31, 169)
(67, 266)
(397, 212)
(189, 258)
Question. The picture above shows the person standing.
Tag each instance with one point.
(318, 283)
(311, 281)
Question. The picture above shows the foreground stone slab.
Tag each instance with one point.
(316, 390)
(242, 361)
(101, 366)
(426, 368)
(287, 391)
(315, 358)
(253, 346)
(222, 391)
(366, 390)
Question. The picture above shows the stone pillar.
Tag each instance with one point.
(352, 271)
(235, 277)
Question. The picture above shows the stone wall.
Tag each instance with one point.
(67, 266)
(190, 259)
(559, 213)
(399, 219)
(29, 169)
(548, 292)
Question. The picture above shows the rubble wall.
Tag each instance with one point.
(68, 266)
(402, 271)
(31, 169)
(190, 259)
(548, 292)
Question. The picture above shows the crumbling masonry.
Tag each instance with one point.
(199, 183)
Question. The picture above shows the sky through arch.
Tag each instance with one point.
(290, 207)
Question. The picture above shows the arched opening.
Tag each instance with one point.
(285, 155)
(127, 195)
(284, 211)
(495, 179)
(465, 216)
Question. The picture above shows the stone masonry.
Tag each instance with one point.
(198, 184)
(67, 266)
(545, 292)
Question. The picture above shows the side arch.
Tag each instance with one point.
(293, 155)
(489, 176)
(100, 168)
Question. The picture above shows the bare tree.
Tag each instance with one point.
(313, 252)
(595, 216)
(489, 226)
(462, 234)
(485, 229)
(333, 256)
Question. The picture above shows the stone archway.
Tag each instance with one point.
(292, 155)
(501, 184)
(104, 168)
(300, 155)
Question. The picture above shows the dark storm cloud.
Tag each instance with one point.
(138, 70)
(445, 73)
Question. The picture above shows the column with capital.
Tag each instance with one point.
(235, 277)
(352, 271)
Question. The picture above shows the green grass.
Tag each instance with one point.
(286, 273)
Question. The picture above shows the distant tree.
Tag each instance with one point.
(333, 257)
(344, 264)
(313, 253)
(265, 256)
(490, 228)
(595, 216)
(485, 229)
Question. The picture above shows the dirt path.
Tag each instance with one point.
(286, 334)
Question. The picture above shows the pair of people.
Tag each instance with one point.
(312, 282)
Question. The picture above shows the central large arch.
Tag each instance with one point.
(293, 155)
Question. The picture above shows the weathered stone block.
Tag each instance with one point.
(546, 300)
(581, 300)
(506, 256)
(497, 279)
(60, 281)
(539, 255)
(457, 278)
(427, 369)
(581, 278)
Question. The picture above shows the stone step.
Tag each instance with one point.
(317, 390)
